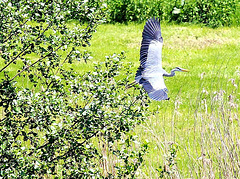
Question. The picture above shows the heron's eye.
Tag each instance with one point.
(161, 39)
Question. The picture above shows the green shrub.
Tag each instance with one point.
(55, 121)
(138, 10)
(54, 131)
(213, 13)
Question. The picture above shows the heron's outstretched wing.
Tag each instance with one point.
(151, 46)
(150, 72)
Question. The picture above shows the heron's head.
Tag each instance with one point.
(181, 69)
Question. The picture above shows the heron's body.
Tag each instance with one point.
(150, 73)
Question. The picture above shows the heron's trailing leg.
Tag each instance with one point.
(131, 85)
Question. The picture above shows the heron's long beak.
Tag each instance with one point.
(185, 70)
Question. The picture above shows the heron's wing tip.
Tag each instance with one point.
(152, 30)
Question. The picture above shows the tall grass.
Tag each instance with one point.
(207, 135)
(200, 122)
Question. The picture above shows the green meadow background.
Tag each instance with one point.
(195, 134)
(201, 119)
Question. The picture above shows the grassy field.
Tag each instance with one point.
(196, 133)
(200, 122)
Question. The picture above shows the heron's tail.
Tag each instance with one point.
(131, 85)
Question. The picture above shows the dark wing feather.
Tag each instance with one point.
(146, 85)
(139, 74)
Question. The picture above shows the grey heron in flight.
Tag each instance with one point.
(150, 72)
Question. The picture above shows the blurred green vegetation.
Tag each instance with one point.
(212, 13)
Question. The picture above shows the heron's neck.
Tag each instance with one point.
(170, 74)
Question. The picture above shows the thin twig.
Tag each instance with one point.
(29, 44)
(11, 33)
(91, 136)
(34, 63)
(60, 67)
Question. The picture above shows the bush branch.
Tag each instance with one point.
(29, 44)
(34, 63)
